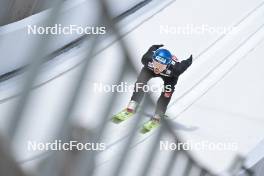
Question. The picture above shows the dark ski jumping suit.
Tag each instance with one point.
(169, 76)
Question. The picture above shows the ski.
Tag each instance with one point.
(149, 126)
(122, 116)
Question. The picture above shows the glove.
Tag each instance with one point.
(190, 59)
(155, 47)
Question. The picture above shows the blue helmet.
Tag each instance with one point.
(162, 56)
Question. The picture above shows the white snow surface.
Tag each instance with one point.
(218, 99)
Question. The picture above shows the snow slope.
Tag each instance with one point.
(220, 94)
